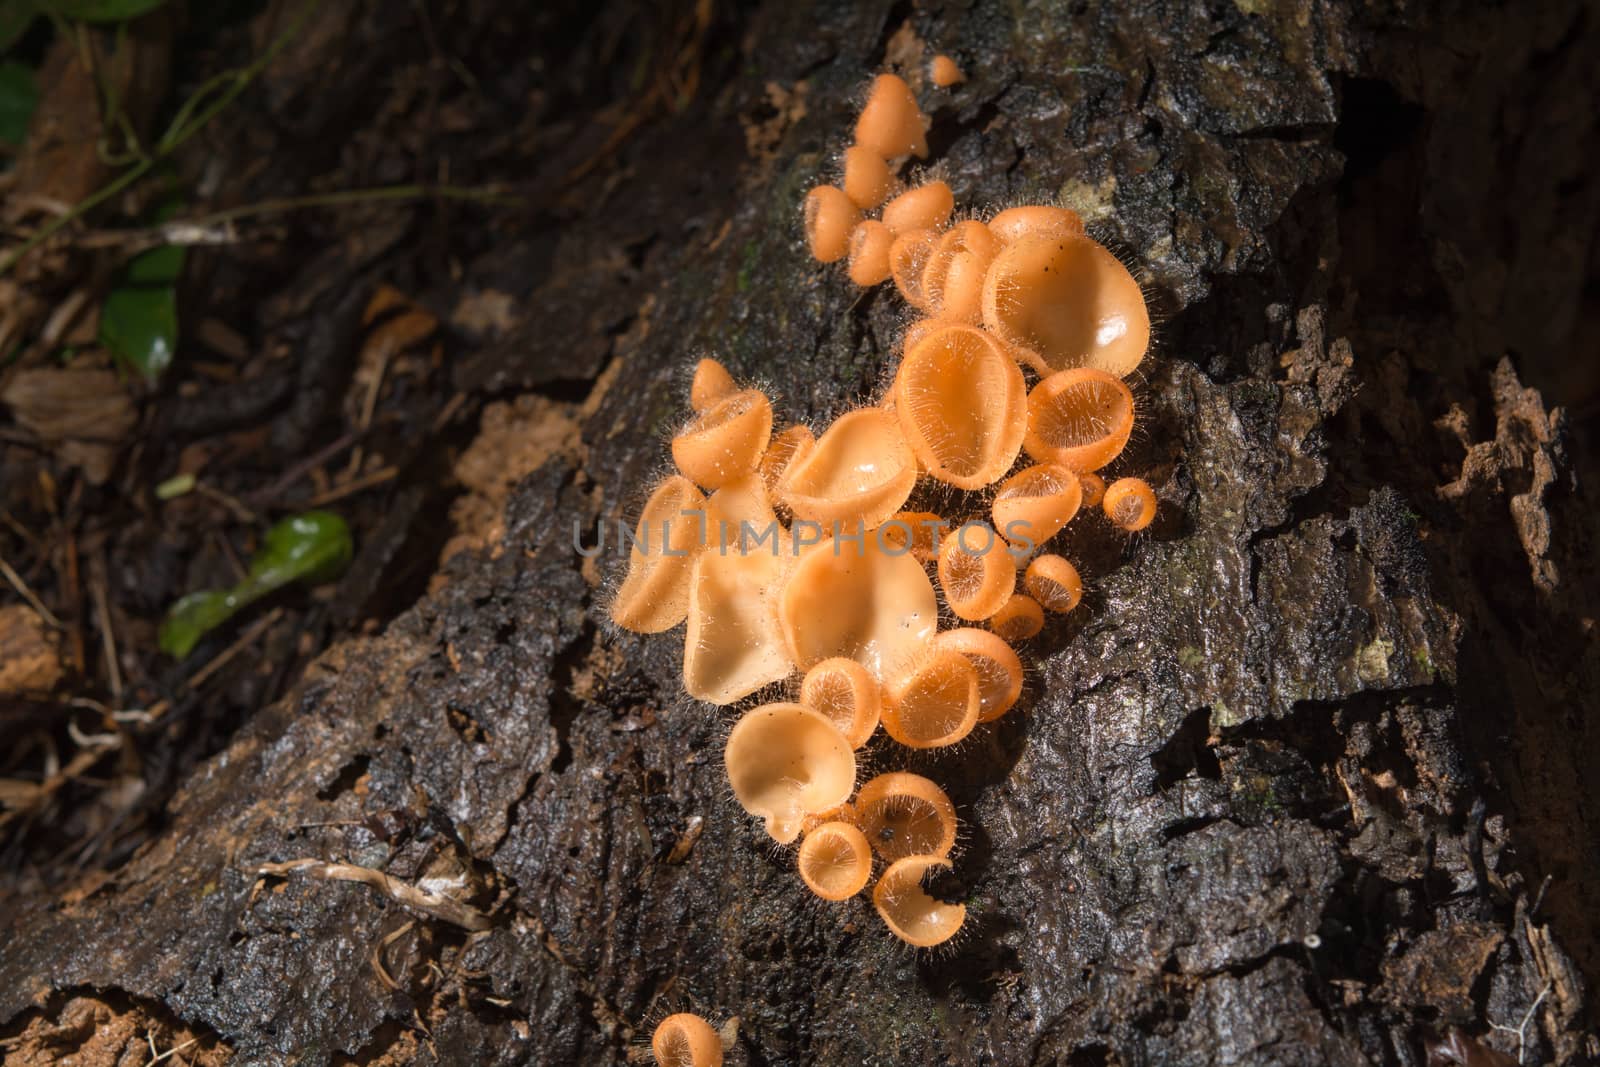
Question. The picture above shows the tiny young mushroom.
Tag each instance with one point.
(868, 179)
(1079, 418)
(962, 403)
(835, 861)
(830, 215)
(1054, 582)
(1035, 503)
(933, 703)
(847, 693)
(686, 1040)
(1020, 619)
(999, 669)
(1130, 503)
(785, 762)
(726, 441)
(904, 814)
(977, 578)
(911, 914)
(891, 122)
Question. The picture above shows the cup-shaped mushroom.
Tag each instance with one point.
(891, 123)
(944, 73)
(1094, 488)
(1020, 619)
(870, 243)
(785, 762)
(999, 669)
(861, 471)
(725, 442)
(740, 519)
(1130, 503)
(908, 259)
(845, 813)
(835, 861)
(1036, 220)
(858, 601)
(904, 814)
(686, 1040)
(711, 383)
(655, 593)
(934, 702)
(1079, 418)
(847, 693)
(1034, 504)
(913, 916)
(785, 448)
(962, 403)
(913, 532)
(1066, 302)
(1054, 583)
(927, 207)
(830, 216)
(975, 572)
(953, 277)
(867, 177)
(733, 645)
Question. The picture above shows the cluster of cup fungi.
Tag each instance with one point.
(852, 611)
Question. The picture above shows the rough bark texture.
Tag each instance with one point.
(1303, 782)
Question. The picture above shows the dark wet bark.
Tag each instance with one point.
(1308, 779)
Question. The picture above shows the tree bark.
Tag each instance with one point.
(1305, 780)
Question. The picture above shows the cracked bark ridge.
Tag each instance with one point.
(1234, 820)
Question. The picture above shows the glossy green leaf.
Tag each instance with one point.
(313, 547)
(100, 10)
(139, 321)
(19, 95)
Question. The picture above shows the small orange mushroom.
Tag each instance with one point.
(655, 593)
(785, 762)
(1020, 619)
(859, 601)
(999, 669)
(860, 472)
(908, 258)
(785, 448)
(829, 217)
(934, 703)
(835, 861)
(1079, 418)
(1034, 504)
(847, 693)
(963, 406)
(1094, 488)
(734, 645)
(845, 812)
(891, 122)
(953, 277)
(725, 442)
(870, 242)
(1036, 219)
(904, 814)
(927, 207)
(1054, 582)
(1066, 302)
(1130, 503)
(944, 72)
(867, 177)
(977, 578)
(686, 1040)
(910, 913)
(711, 383)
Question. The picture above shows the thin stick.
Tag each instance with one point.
(221, 660)
(339, 492)
(27, 594)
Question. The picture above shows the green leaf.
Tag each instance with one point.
(139, 321)
(313, 547)
(18, 97)
(100, 10)
(15, 18)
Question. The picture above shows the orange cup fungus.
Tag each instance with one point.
(904, 814)
(1020, 619)
(891, 123)
(830, 216)
(910, 913)
(999, 669)
(911, 531)
(962, 404)
(1035, 503)
(975, 572)
(927, 207)
(711, 383)
(860, 471)
(953, 278)
(785, 762)
(1035, 219)
(1079, 418)
(862, 602)
(870, 243)
(734, 645)
(725, 442)
(784, 449)
(908, 259)
(655, 594)
(1065, 302)
(835, 861)
(934, 703)
(944, 73)
(868, 178)
(1054, 583)
(685, 1040)
(846, 693)
(1130, 503)
(1094, 488)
